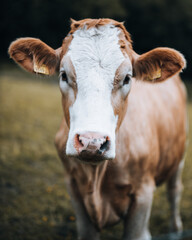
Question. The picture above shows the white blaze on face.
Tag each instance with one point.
(95, 54)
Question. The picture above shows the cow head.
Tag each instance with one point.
(96, 63)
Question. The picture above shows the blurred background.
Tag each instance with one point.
(34, 203)
(152, 23)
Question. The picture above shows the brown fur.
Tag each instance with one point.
(148, 153)
(107, 190)
(66, 42)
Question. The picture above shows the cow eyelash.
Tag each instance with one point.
(64, 77)
(126, 80)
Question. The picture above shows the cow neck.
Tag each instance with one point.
(94, 175)
(92, 191)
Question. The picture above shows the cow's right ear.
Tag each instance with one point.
(35, 56)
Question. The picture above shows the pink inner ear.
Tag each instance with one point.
(166, 60)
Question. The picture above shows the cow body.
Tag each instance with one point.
(122, 134)
(149, 149)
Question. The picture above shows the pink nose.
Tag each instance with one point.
(91, 142)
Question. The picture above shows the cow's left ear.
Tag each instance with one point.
(158, 64)
(35, 56)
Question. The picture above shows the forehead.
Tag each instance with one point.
(96, 48)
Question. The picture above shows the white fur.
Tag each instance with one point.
(95, 54)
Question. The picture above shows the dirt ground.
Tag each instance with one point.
(34, 203)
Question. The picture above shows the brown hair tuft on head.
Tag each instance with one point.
(98, 22)
(90, 23)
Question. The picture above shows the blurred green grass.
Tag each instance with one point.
(34, 203)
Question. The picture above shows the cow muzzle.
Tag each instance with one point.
(91, 146)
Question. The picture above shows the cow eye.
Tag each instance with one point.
(64, 77)
(126, 80)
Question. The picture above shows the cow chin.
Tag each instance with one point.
(89, 158)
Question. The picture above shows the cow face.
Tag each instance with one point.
(96, 63)
(95, 79)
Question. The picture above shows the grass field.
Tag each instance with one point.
(34, 203)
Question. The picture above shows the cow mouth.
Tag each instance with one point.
(92, 158)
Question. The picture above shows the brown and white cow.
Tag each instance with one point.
(124, 127)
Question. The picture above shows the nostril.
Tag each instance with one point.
(78, 144)
(105, 145)
(80, 140)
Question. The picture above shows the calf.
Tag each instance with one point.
(124, 126)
